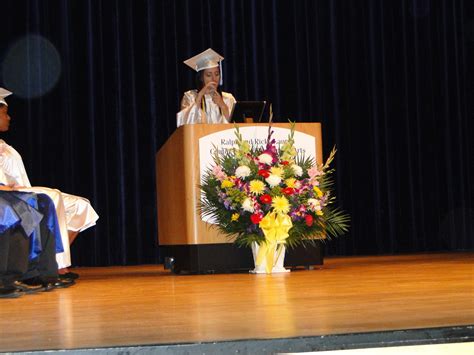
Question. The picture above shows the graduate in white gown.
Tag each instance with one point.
(208, 103)
(75, 213)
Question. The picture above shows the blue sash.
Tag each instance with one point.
(25, 205)
(8, 216)
(47, 208)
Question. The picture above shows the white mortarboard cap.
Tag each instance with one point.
(4, 93)
(205, 60)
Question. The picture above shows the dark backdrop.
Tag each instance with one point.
(98, 84)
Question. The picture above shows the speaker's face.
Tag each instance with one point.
(4, 118)
(211, 75)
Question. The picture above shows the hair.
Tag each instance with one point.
(199, 80)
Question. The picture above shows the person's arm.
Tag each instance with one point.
(219, 101)
(209, 88)
(228, 102)
(190, 111)
(12, 170)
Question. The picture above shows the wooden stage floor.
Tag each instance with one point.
(140, 305)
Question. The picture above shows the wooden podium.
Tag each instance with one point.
(186, 241)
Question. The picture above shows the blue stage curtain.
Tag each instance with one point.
(391, 82)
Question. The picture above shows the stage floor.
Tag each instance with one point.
(144, 305)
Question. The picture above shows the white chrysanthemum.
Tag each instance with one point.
(297, 170)
(242, 171)
(314, 204)
(273, 180)
(247, 205)
(265, 158)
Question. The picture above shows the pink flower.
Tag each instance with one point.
(314, 172)
(239, 183)
(219, 173)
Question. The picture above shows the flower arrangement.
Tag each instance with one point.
(271, 196)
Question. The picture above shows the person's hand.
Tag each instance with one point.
(209, 88)
(217, 99)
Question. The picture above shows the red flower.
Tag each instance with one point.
(266, 199)
(256, 218)
(309, 220)
(264, 173)
(284, 162)
(288, 191)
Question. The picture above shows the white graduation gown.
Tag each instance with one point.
(193, 113)
(74, 213)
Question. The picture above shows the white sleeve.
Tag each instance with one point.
(12, 170)
(230, 101)
(190, 111)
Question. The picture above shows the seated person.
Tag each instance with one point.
(29, 240)
(14, 246)
(74, 213)
(208, 103)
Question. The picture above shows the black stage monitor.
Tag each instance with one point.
(247, 109)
